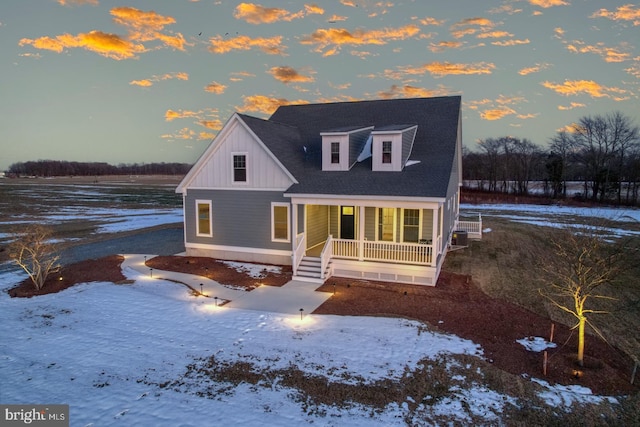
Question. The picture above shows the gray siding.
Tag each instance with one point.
(317, 224)
(240, 218)
(427, 224)
(334, 218)
(370, 223)
(407, 144)
(357, 141)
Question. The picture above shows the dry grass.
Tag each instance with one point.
(505, 265)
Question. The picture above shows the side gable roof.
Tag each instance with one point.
(434, 146)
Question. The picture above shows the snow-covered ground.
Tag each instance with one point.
(109, 350)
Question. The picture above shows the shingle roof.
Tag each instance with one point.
(292, 134)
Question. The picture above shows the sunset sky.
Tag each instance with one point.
(153, 81)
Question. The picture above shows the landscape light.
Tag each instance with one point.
(301, 311)
(201, 289)
(216, 300)
(151, 272)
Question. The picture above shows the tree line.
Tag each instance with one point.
(600, 154)
(50, 168)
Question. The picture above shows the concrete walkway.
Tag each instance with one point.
(287, 299)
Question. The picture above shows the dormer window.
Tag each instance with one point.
(386, 151)
(335, 152)
(239, 168)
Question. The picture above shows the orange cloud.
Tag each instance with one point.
(440, 69)
(513, 42)
(215, 87)
(77, 2)
(170, 115)
(628, 12)
(338, 37)
(257, 14)
(146, 26)
(571, 106)
(211, 124)
(265, 104)
(497, 113)
(535, 69)
(289, 75)
(239, 76)
(407, 91)
(431, 21)
(505, 8)
(153, 79)
(105, 44)
(576, 87)
(494, 35)
(143, 83)
(271, 46)
(471, 26)
(609, 54)
(441, 46)
(337, 18)
(548, 3)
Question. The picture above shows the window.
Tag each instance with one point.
(386, 151)
(203, 223)
(335, 152)
(411, 225)
(280, 222)
(386, 217)
(239, 168)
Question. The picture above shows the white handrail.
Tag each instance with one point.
(325, 256)
(298, 254)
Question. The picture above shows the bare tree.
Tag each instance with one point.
(581, 262)
(34, 252)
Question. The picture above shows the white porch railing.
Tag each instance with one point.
(473, 228)
(298, 254)
(325, 256)
(406, 253)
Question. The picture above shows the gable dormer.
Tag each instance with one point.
(391, 147)
(341, 146)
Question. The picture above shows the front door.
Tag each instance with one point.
(347, 222)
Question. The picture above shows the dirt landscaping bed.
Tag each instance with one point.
(455, 305)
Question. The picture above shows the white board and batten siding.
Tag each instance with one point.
(263, 171)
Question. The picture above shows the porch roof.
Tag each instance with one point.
(293, 134)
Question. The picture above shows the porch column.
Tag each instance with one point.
(361, 234)
(294, 226)
(434, 233)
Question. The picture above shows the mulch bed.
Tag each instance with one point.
(455, 305)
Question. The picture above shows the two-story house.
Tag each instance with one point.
(366, 189)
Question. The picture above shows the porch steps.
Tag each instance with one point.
(309, 269)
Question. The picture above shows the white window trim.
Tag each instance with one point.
(246, 167)
(395, 224)
(420, 212)
(273, 228)
(204, 202)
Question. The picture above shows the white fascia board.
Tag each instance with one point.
(330, 133)
(266, 149)
(377, 201)
(206, 155)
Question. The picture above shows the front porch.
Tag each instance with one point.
(379, 240)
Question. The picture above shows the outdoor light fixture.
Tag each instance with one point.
(216, 300)
(60, 278)
(151, 272)
(301, 311)
(334, 288)
(201, 289)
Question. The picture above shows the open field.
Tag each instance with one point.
(265, 368)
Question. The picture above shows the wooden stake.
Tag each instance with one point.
(544, 364)
(553, 326)
(633, 374)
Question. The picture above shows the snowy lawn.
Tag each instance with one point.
(135, 355)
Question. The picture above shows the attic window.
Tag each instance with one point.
(386, 151)
(239, 168)
(335, 152)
